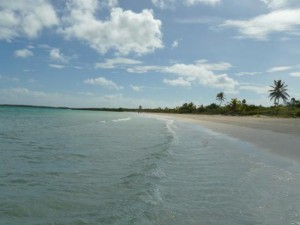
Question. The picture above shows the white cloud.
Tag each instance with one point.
(178, 82)
(175, 44)
(56, 55)
(275, 4)
(23, 53)
(78, 67)
(143, 69)
(124, 32)
(200, 72)
(109, 3)
(260, 27)
(278, 69)
(26, 18)
(204, 74)
(205, 2)
(103, 82)
(247, 73)
(56, 66)
(214, 66)
(136, 88)
(295, 74)
(113, 63)
(163, 4)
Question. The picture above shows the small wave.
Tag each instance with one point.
(170, 127)
(102, 121)
(156, 173)
(121, 119)
(152, 197)
(169, 123)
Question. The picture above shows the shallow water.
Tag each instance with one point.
(78, 167)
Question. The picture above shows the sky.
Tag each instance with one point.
(154, 53)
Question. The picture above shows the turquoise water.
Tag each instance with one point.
(68, 167)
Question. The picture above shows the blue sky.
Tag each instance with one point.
(154, 53)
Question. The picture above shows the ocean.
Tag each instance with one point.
(67, 167)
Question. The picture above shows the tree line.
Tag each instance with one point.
(277, 94)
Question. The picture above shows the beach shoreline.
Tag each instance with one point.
(277, 135)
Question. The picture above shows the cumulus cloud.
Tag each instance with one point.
(201, 72)
(124, 31)
(260, 27)
(25, 18)
(204, 74)
(56, 55)
(103, 82)
(23, 53)
(278, 69)
(113, 63)
(178, 82)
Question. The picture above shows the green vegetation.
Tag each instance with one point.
(235, 107)
(241, 108)
(220, 97)
(278, 91)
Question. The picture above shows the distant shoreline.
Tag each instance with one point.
(271, 114)
(278, 135)
(71, 108)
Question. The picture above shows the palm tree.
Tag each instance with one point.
(220, 97)
(278, 92)
(235, 104)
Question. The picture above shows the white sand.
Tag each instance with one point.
(278, 135)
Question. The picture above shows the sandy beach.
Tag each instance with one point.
(278, 135)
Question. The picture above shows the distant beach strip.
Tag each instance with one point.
(278, 135)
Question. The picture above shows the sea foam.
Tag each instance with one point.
(121, 119)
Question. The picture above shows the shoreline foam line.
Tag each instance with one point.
(281, 136)
(122, 119)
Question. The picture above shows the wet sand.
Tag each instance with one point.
(278, 135)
